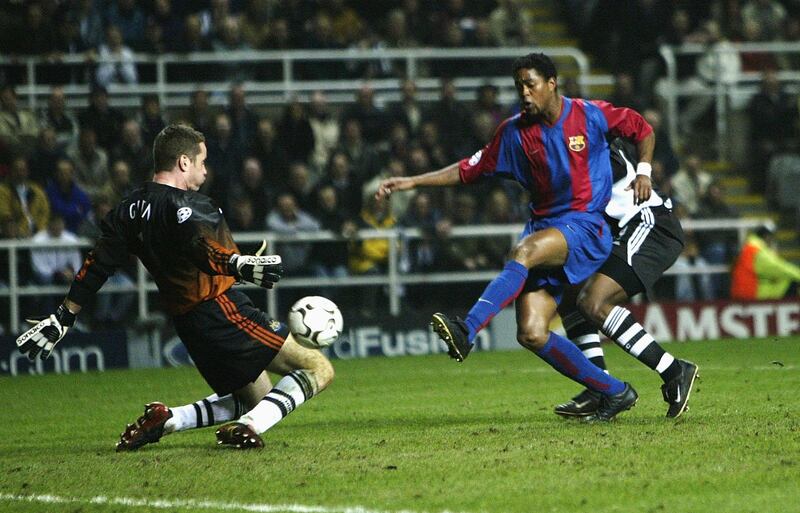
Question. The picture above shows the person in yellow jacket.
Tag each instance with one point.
(371, 256)
(24, 207)
(760, 273)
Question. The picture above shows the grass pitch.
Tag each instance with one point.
(422, 434)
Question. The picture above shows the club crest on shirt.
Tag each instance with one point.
(184, 213)
(577, 142)
(475, 158)
(274, 325)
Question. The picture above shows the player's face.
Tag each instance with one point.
(535, 93)
(196, 172)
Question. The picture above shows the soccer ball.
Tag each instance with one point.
(315, 322)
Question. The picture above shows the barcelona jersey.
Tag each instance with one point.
(566, 166)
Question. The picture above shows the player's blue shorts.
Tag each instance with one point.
(588, 245)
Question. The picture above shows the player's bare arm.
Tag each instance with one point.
(448, 175)
(642, 185)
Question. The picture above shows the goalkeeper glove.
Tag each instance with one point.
(45, 333)
(263, 270)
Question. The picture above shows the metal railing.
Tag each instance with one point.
(394, 278)
(725, 92)
(175, 93)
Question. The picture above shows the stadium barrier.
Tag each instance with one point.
(730, 91)
(169, 77)
(394, 279)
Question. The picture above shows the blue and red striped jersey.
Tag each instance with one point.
(565, 166)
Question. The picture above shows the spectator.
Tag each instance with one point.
(129, 19)
(43, 161)
(55, 265)
(132, 150)
(320, 37)
(224, 159)
(362, 155)
(486, 101)
(119, 184)
(422, 255)
(35, 35)
(624, 94)
(690, 183)
(772, 114)
(244, 122)
(769, 14)
(24, 207)
(346, 23)
(371, 256)
(86, 17)
(255, 23)
(229, 39)
(288, 218)
(56, 117)
(397, 34)
(192, 38)
(325, 127)
(409, 112)
(105, 120)
(369, 116)
(241, 216)
(511, 24)
(431, 142)
(151, 119)
(90, 164)
(251, 185)
(691, 286)
(717, 246)
(295, 133)
(399, 200)
(452, 119)
(497, 210)
(760, 273)
(19, 128)
(271, 154)
(116, 63)
(67, 200)
(168, 22)
(200, 114)
(154, 42)
(464, 253)
(329, 259)
(348, 187)
(300, 185)
(663, 152)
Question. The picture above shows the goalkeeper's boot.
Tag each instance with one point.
(454, 333)
(148, 429)
(582, 405)
(612, 405)
(239, 435)
(677, 390)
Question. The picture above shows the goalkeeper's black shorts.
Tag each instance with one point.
(230, 340)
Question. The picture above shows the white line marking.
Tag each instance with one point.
(193, 504)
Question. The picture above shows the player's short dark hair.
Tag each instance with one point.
(172, 142)
(540, 62)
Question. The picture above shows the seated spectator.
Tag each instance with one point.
(267, 149)
(129, 19)
(24, 207)
(287, 218)
(511, 24)
(241, 216)
(151, 119)
(252, 186)
(486, 102)
(690, 184)
(19, 128)
(119, 184)
(361, 154)
(452, 118)
(348, 187)
(624, 94)
(104, 119)
(399, 200)
(67, 199)
(224, 160)
(691, 286)
(497, 210)
(663, 152)
(295, 133)
(300, 185)
(200, 114)
(90, 163)
(770, 14)
(409, 111)
(325, 127)
(371, 256)
(192, 39)
(244, 121)
(57, 117)
(423, 254)
(86, 16)
(717, 246)
(116, 64)
(132, 150)
(329, 259)
(54, 266)
(371, 118)
(760, 273)
(44, 157)
(464, 253)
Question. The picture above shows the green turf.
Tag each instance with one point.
(427, 434)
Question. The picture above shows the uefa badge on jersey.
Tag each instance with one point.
(577, 142)
(475, 158)
(184, 213)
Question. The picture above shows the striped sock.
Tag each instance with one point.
(498, 294)
(290, 392)
(622, 328)
(205, 412)
(584, 335)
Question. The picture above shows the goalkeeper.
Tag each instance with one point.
(182, 238)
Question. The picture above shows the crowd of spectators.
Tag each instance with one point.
(314, 165)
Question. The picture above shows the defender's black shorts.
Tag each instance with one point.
(230, 340)
(645, 247)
